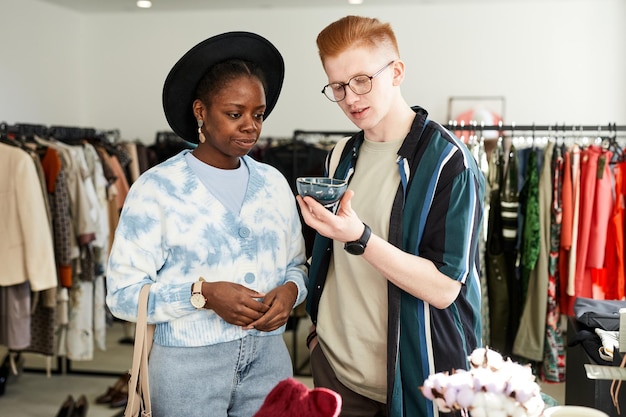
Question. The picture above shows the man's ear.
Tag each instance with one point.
(398, 69)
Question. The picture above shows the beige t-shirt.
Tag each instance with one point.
(352, 318)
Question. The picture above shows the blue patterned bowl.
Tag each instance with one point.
(327, 191)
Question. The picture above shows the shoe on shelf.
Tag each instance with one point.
(15, 363)
(127, 340)
(106, 397)
(120, 385)
(4, 376)
(67, 407)
(80, 407)
(120, 398)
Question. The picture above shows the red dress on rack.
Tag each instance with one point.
(610, 279)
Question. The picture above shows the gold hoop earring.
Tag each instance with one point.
(201, 137)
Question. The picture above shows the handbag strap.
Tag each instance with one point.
(138, 386)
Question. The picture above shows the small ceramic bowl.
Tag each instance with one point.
(572, 411)
(327, 191)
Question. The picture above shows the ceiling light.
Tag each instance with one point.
(355, 1)
(144, 4)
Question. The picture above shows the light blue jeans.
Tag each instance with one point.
(229, 379)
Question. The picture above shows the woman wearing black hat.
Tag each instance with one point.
(219, 237)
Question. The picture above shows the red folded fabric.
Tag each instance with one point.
(291, 398)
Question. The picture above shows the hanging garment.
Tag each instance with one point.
(79, 336)
(529, 199)
(588, 174)
(99, 312)
(608, 280)
(32, 152)
(42, 325)
(511, 221)
(612, 276)
(62, 319)
(15, 316)
(553, 365)
(509, 201)
(142, 157)
(48, 296)
(58, 195)
(495, 263)
(26, 247)
(111, 193)
(598, 229)
(565, 243)
(602, 208)
(101, 243)
(530, 338)
(121, 183)
(133, 166)
(571, 266)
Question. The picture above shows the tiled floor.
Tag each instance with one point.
(33, 394)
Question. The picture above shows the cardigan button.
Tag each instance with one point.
(244, 232)
(249, 278)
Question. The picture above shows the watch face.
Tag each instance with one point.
(357, 247)
(354, 248)
(198, 300)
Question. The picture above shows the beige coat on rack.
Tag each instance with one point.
(26, 248)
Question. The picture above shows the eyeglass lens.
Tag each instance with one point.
(359, 84)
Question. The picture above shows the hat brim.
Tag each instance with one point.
(181, 82)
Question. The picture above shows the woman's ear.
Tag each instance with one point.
(198, 109)
(198, 113)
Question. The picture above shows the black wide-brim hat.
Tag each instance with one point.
(181, 82)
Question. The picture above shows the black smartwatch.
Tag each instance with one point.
(357, 247)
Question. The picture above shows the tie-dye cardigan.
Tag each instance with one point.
(172, 231)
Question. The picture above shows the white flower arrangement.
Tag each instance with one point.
(493, 387)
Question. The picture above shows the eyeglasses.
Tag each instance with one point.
(359, 84)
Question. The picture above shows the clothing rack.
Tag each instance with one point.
(610, 128)
(297, 134)
(56, 131)
(69, 135)
(167, 136)
(322, 138)
(27, 130)
(303, 154)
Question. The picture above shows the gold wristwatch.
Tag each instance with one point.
(197, 299)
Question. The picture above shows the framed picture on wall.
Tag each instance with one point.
(475, 111)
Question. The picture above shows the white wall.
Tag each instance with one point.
(554, 61)
(41, 57)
